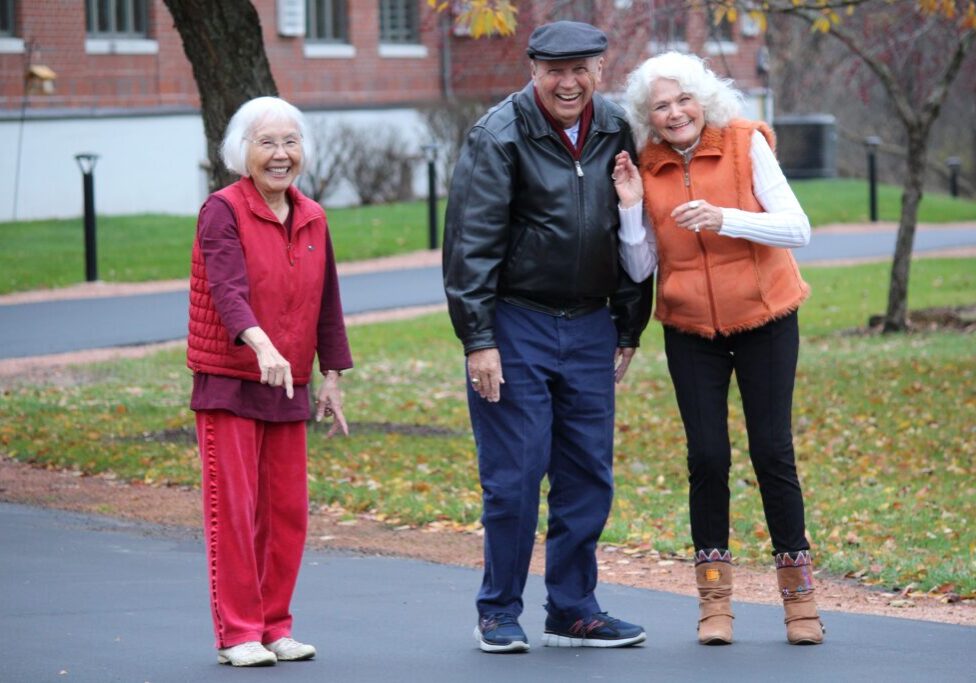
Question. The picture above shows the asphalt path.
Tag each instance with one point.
(95, 600)
(51, 327)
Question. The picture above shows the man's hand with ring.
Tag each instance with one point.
(485, 371)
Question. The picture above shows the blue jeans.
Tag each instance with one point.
(555, 419)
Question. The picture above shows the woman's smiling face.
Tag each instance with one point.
(274, 156)
(676, 116)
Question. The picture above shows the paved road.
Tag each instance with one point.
(60, 326)
(94, 600)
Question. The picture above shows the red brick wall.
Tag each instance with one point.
(89, 81)
(485, 68)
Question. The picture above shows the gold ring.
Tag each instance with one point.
(475, 380)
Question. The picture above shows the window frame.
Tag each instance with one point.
(133, 11)
(409, 34)
(334, 7)
(8, 18)
(722, 39)
(670, 32)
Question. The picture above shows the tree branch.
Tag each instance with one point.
(898, 95)
(932, 105)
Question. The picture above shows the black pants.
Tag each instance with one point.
(764, 362)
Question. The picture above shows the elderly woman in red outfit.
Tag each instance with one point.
(264, 298)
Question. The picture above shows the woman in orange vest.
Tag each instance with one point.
(718, 222)
(264, 299)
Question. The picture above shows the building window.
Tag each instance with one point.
(670, 27)
(574, 10)
(6, 18)
(326, 21)
(116, 18)
(721, 32)
(399, 22)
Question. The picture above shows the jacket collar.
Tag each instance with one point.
(538, 127)
(302, 207)
(656, 155)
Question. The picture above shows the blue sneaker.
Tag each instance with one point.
(596, 630)
(500, 632)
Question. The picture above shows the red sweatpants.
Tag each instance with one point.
(255, 515)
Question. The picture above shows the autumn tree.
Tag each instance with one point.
(915, 50)
(223, 43)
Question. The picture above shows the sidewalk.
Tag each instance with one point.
(94, 600)
(96, 316)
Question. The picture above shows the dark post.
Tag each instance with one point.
(871, 143)
(86, 162)
(430, 153)
(954, 163)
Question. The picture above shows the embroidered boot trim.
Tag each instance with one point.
(800, 558)
(713, 555)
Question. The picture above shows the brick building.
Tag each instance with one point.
(110, 77)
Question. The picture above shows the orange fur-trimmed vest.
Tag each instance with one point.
(285, 292)
(708, 283)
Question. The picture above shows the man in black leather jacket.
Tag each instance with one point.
(548, 320)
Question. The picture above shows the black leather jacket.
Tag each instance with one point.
(528, 224)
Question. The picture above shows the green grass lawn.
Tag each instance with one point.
(42, 254)
(885, 439)
(845, 200)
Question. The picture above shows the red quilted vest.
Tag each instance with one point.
(285, 280)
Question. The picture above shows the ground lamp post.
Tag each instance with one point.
(871, 143)
(430, 153)
(86, 162)
(954, 163)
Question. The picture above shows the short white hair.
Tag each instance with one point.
(233, 150)
(720, 101)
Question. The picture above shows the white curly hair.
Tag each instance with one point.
(720, 101)
(233, 149)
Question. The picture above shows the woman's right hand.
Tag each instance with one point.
(275, 369)
(627, 181)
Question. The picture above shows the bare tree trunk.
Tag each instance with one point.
(223, 42)
(896, 317)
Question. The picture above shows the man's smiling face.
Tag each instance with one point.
(566, 86)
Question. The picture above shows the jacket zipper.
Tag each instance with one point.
(579, 186)
(701, 244)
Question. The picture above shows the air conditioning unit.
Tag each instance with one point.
(806, 145)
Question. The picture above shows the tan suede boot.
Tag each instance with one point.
(795, 578)
(714, 603)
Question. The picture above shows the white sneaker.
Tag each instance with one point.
(250, 653)
(290, 650)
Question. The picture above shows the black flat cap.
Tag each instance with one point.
(566, 40)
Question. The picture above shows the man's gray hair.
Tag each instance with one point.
(233, 150)
(720, 101)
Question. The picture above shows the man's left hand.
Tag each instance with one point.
(622, 361)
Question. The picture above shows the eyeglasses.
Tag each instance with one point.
(269, 145)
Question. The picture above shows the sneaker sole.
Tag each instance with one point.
(516, 646)
(221, 659)
(299, 658)
(556, 640)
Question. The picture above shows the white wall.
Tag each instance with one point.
(147, 164)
